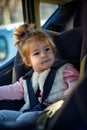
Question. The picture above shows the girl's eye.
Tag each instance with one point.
(36, 53)
(47, 49)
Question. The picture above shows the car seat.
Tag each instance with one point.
(19, 68)
(69, 45)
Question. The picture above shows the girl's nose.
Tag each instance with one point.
(43, 54)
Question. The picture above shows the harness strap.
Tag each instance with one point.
(47, 86)
(31, 93)
(48, 83)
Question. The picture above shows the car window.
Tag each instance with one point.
(3, 48)
(11, 16)
(46, 10)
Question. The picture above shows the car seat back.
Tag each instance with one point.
(19, 69)
(69, 44)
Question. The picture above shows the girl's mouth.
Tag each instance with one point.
(45, 61)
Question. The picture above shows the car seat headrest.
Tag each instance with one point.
(69, 44)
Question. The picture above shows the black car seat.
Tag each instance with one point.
(69, 45)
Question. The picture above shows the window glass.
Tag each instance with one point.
(3, 48)
(46, 10)
(11, 16)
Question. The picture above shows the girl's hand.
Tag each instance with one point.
(71, 78)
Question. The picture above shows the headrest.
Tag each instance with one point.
(69, 44)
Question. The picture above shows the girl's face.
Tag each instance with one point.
(41, 56)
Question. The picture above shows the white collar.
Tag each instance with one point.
(39, 79)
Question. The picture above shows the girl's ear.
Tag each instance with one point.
(28, 63)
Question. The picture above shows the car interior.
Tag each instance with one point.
(69, 35)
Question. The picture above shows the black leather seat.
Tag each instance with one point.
(69, 44)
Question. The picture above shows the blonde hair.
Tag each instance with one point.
(26, 34)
